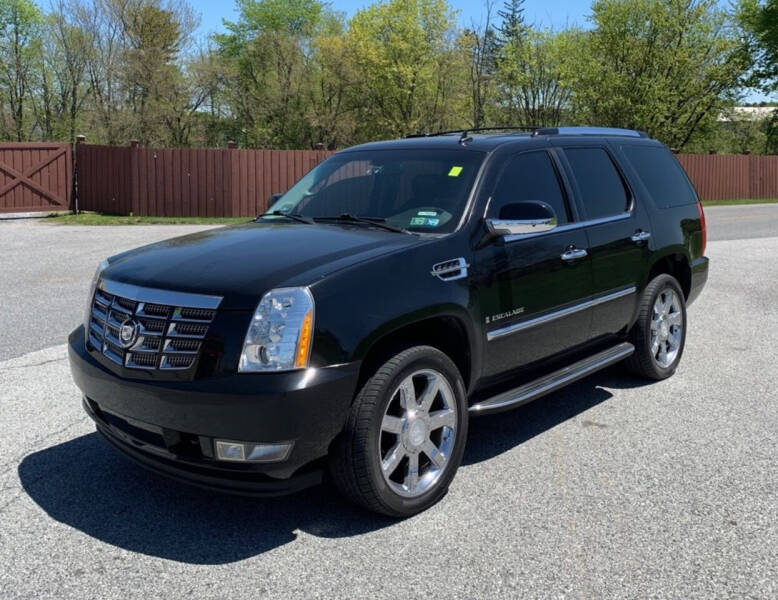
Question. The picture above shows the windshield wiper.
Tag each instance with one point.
(293, 216)
(379, 222)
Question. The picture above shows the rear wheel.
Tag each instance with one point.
(659, 335)
(404, 439)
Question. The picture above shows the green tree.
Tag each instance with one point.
(272, 71)
(760, 20)
(481, 46)
(665, 66)
(531, 70)
(62, 80)
(410, 71)
(532, 73)
(20, 22)
(154, 84)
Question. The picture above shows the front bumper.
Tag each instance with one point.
(170, 426)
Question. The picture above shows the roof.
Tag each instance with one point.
(486, 142)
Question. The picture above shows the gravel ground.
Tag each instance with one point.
(609, 488)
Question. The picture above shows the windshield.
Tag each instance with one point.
(418, 190)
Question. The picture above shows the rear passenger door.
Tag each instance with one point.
(618, 231)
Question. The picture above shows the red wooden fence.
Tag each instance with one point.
(216, 182)
(726, 177)
(186, 182)
(35, 177)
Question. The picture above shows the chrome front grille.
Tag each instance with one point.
(148, 335)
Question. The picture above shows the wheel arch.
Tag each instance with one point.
(675, 264)
(447, 331)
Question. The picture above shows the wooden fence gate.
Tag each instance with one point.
(35, 177)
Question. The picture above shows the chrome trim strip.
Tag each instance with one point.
(557, 379)
(157, 296)
(571, 226)
(614, 295)
(570, 310)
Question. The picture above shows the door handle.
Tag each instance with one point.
(640, 236)
(572, 254)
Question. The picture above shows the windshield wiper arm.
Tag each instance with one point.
(374, 221)
(293, 216)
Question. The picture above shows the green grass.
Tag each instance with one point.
(740, 201)
(91, 218)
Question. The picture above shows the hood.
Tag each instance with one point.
(243, 262)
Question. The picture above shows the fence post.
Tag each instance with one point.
(134, 178)
(80, 139)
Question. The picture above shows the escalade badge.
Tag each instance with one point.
(505, 315)
(128, 333)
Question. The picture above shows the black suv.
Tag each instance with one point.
(396, 290)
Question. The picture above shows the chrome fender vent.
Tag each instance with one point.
(450, 270)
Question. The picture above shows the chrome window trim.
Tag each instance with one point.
(572, 226)
(558, 314)
(158, 296)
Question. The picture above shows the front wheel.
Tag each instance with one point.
(659, 335)
(405, 436)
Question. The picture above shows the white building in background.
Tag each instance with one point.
(747, 113)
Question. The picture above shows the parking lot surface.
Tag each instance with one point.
(610, 488)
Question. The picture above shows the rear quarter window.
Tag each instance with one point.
(661, 174)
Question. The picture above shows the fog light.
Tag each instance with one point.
(251, 452)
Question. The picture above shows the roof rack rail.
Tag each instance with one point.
(465, 131)
(613, 131)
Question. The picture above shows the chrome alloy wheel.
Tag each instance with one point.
(666, 327)
(417, 433)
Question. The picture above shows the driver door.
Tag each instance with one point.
(531, 296)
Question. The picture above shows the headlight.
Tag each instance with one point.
(281, 331)
(88, 314)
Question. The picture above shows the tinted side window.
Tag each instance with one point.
(602, 189)
(530, 176)
(663, 177)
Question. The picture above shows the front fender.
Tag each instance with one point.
(357, 307)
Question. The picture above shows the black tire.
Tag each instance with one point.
(355, 458)
(643, 362)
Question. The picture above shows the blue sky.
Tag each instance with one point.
(547, 13)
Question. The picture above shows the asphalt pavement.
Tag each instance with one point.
(742, 221)
(610, 488)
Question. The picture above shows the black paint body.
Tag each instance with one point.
(373, 289)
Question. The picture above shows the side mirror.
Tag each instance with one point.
(522, 218)
(273, 199)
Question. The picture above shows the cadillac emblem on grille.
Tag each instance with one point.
(128, 333)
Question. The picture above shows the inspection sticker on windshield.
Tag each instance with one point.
(455, 171)
(425, 222)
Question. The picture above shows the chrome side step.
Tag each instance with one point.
(552, 382)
